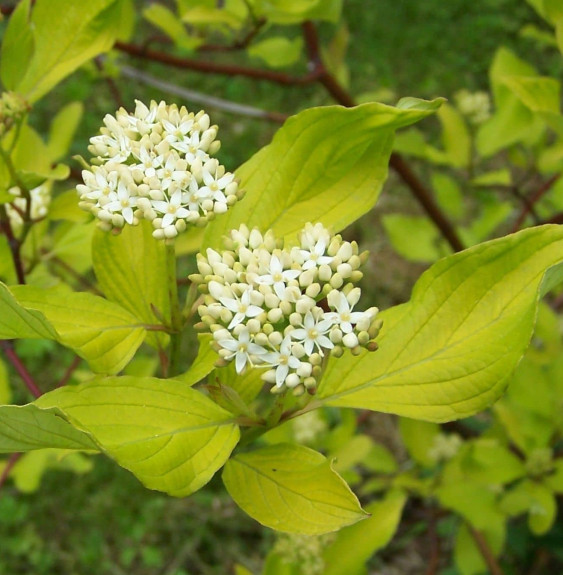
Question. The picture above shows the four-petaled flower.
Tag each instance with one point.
(282, 360)
(172, 210)
(315, 256)
(241, 307)
(242, 349)
(343, 316)
(312, 333)
(277, 276)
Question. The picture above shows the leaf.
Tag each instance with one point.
(355, 544)
(100, 331)
(287, 12)
(24, 428)
(5, 391)
(17, 322)
(513, 121)
(29, 469)
(277, 52)
(418, 437)
(203, 364)
(325, 164)
(291, 488)
(132, 271)
(415, 238)
(455, 136)
(449, 352)
(63, 44)
(171, 25)
(62, 130)
(17, 47)
(170, 436)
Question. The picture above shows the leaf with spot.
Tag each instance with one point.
(291, 488)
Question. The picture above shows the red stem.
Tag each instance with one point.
(7, 347)
(213, 67)
(534, 199)
(12, 460)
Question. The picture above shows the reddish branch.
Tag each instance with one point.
(485, 550)
(9, 352)
(207, 67)
(12, 460)
(533, 200)
(13, 243)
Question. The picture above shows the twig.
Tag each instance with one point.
(213, 67)
(426, 200)
(69, 371)
(200, 98)
(12, 460)
(434, 544)
(13, 243)
(7, 347)
(530, 202)
(485, 551)
(71, 271)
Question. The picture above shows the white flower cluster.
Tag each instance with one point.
(476, 106)
(284, 309)
(40, 200)
(156, 164)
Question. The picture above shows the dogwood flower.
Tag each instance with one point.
(163, 156)
(242, 349)
(312, 334)
(258, 292)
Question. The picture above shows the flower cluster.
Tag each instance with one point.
(40, 199)
(284, 309)
(157, 164)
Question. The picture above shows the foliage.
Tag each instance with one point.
(267, 393)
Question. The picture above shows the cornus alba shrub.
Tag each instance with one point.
(156, 164)
(284, 309)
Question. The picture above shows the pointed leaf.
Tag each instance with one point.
(23, 428)
(291, 488)
(355, 544)
(170, 436)
(449, 352)
(17, 46)
(63, 44)
(17, 322)
(325, 164)
(132, 271)
(203, 364)
(100, 331)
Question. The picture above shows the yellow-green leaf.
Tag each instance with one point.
(291, 488)
(132, 271)
(170, 436)
(325, 164)
(449, 352)
(100, 331)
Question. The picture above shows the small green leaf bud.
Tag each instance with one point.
(337, 351)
